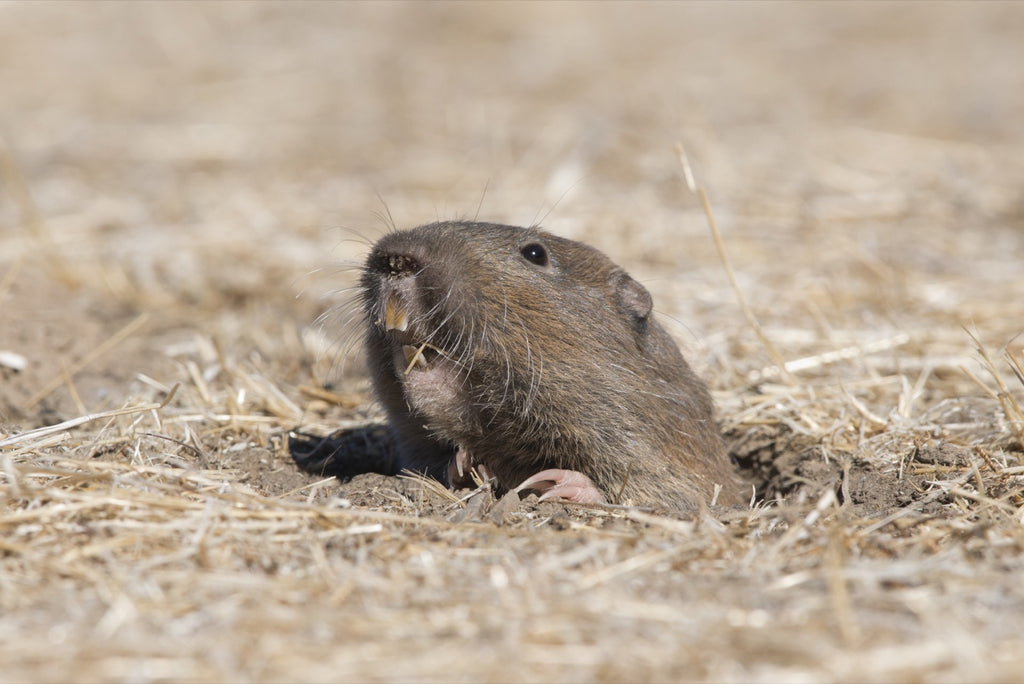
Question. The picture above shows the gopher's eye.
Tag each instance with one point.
(535, 254)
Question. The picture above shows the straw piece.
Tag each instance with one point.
(117, 338)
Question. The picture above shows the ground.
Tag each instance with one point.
(187, 190)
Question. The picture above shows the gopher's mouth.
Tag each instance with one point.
(417, 355)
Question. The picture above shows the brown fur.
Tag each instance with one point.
(536, 365)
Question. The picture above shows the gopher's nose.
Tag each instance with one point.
(396, 264)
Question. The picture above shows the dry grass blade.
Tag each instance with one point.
(1012, 410)
(434, 487)
(830, 357)
(628, 566)
(117, 338)
(40, 433)
(748, 313)
(342, 400)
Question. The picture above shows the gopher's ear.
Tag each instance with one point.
(633, 299)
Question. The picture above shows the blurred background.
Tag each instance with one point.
(219, 164)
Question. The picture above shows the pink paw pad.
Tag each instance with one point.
(569, 485)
